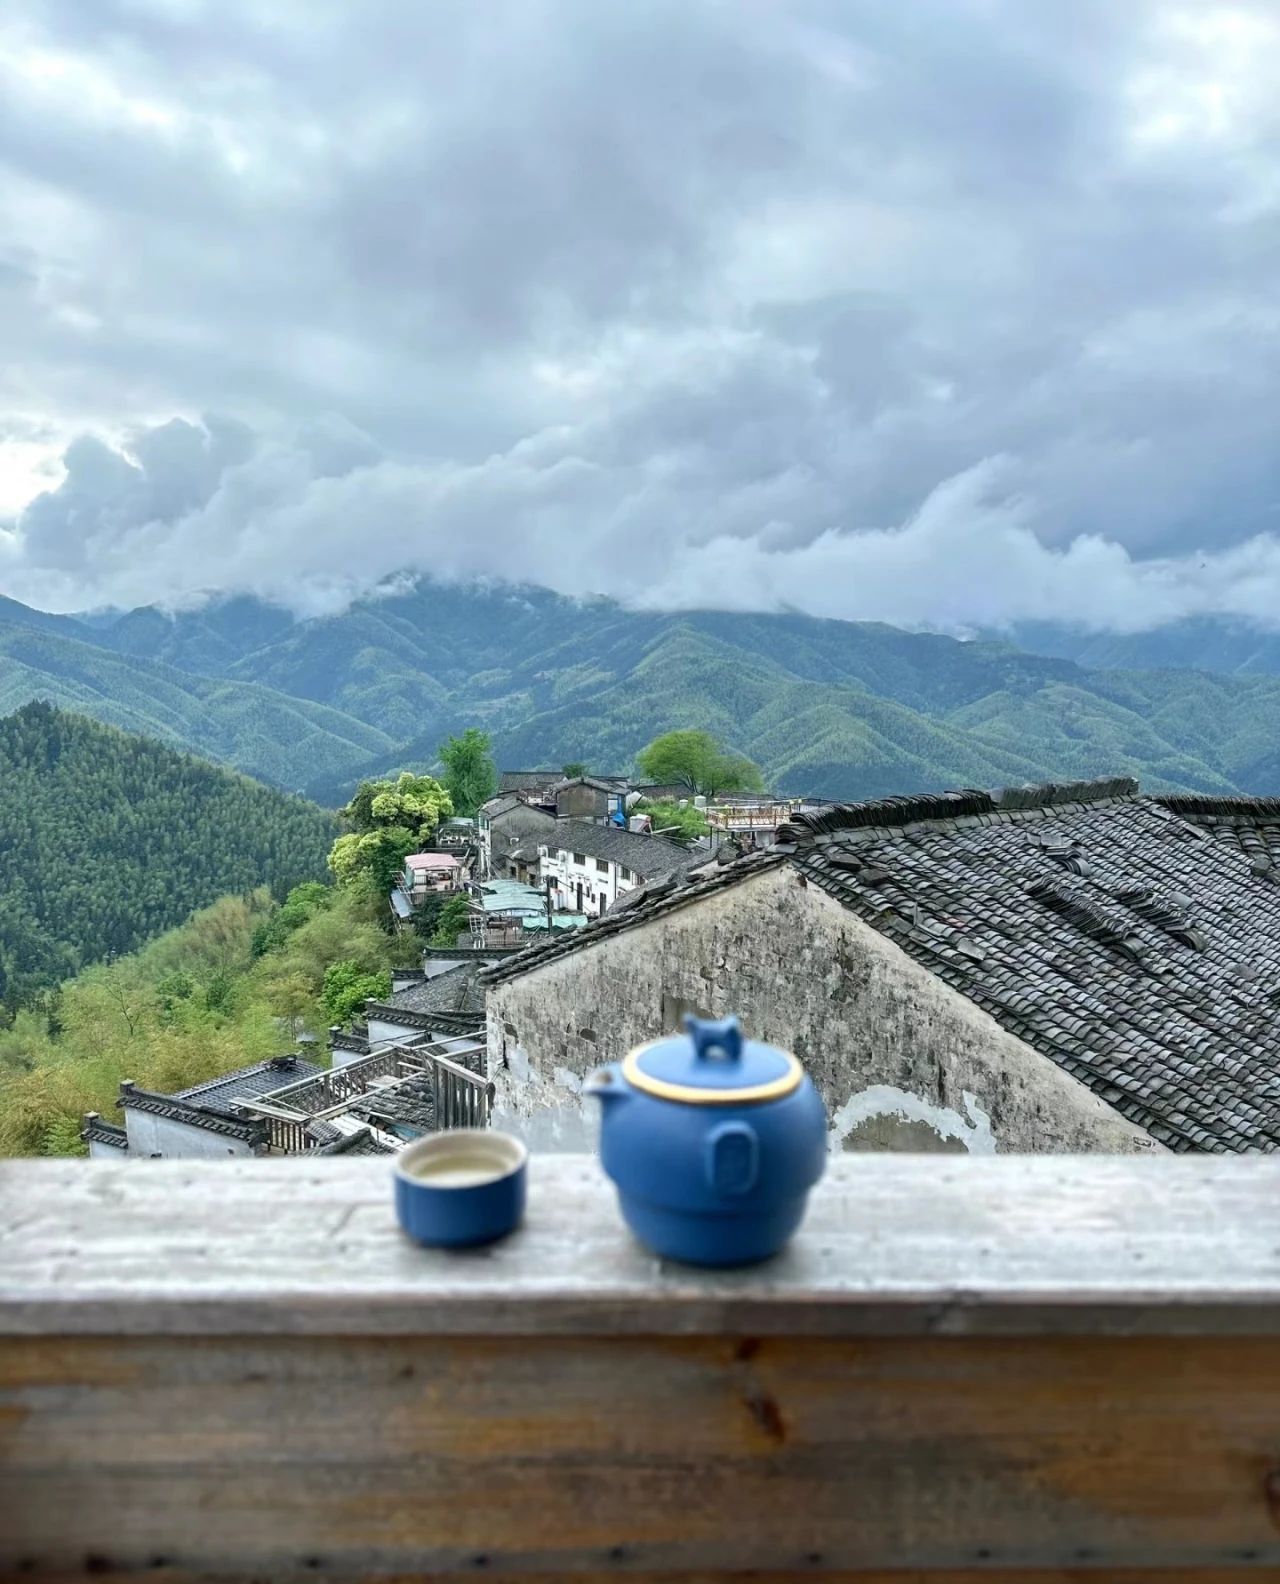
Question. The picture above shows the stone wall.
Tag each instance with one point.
(901, 1060)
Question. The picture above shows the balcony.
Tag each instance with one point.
(1034, 1369)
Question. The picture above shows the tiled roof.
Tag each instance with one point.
(361, 1142)
(596, 783)
(649, 856)
(468, 953)
(455, 990)
(339, 1039)
(527, 780)
(248, 1083)
(179, 1110)
(97, 1130)
(1135, 941)
(442, 1023)
(411, 1104)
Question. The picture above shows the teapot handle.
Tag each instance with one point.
(732, 1158)
(714, 1039)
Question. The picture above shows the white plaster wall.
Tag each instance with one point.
(100, 1151)
(900, 1059)
(600, 888)
(154, 1135)
(383, 1032)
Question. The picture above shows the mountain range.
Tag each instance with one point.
(832, 708)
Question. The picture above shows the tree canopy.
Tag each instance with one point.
(390, 819)
(678, 822)
(470, 775)
(696, 760)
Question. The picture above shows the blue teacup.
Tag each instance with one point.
(461, 1187)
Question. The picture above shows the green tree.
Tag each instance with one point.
(371, 861)
(390, 819)
(418, 802)
(677, 822)
(573, 770)
(453, 919)
(696, 760)
(347, 987)
(469, 771)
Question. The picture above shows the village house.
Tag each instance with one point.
(510, 825)
(592, 798)
(206, 1120)
(589, 865)
(431, 873)
(1044, 969)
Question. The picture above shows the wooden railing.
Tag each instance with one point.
(286, 1135)
(462, 1095)
(461, 1098)
(1033, 1370)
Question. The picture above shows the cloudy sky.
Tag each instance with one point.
(949, 312)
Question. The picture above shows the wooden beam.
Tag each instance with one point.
(893, 1245)
(1042, 1369)
(564, 1455)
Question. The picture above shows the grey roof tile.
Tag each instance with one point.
(247, 1083)
(1135, 941)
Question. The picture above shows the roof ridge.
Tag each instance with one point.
(917, 807)
(248, 1129)
(635, 908)
(1201, 803)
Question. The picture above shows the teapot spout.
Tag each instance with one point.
(606, 1084)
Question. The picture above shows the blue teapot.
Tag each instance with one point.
(713, 1142)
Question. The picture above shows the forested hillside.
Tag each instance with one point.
(237, 983)
(1204, 643)
(837, 709)
(277, 739)
(107, 839)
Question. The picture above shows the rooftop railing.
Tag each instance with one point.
(1038, 1370)
(461, 1095)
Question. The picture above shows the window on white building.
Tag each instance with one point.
(602, 866)
(580, 858)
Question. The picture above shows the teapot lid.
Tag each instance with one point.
(712, 1064)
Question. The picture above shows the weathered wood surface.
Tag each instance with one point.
(1053, 1369)
(895, 1245)
(614, 1573)
(568, 1455)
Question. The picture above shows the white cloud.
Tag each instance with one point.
(956, 313)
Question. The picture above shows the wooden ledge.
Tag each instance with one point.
(893, 1245)
(241, 1370)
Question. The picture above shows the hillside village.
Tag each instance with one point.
(545, 857)
(1057, 968)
